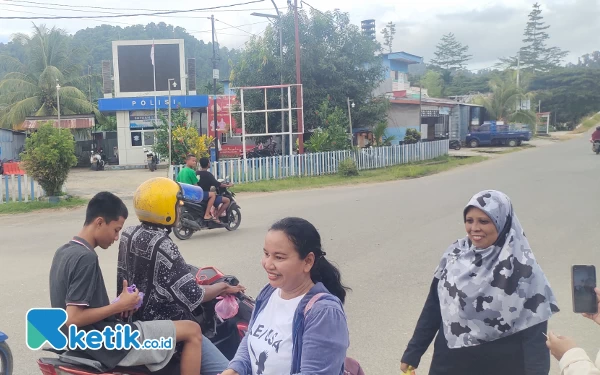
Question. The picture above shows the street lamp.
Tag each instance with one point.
(58, 102)
(174, 86)
(350, 119)
(280, 27)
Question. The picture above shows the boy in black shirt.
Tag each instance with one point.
(77, 285)
(208, 180)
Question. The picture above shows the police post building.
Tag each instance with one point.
(134, 100)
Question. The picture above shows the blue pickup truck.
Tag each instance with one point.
(490, 134)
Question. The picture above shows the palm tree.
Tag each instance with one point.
(30, 86)
(502, 103)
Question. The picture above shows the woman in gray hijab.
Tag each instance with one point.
(489, 302)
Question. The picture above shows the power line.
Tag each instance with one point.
(106, 8)
(69, 9)
(235, 27)
(135, 15)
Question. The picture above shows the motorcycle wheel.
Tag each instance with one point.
(457, 146)
(234, 219)
(6, 359)
(181, 232)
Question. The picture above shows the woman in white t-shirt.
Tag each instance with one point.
(298, 325)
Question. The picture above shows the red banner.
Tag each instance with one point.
(225, 122)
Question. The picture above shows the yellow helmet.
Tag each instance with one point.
(155, 201)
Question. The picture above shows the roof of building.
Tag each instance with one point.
(66, 122)
(404, 57)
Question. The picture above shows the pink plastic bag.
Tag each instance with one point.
(227, 307)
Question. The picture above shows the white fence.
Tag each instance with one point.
(322, 163)
(19, 188)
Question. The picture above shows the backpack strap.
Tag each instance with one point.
(312, 301)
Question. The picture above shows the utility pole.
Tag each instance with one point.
(298, 81)
(215, 77)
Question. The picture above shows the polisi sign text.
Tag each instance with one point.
(150, 103)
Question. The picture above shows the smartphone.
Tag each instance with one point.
(583, 281)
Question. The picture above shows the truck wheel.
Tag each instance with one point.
(512, 143)
(474, 143)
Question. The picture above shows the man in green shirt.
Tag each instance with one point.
(188, 176)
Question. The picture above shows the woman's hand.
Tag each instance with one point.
(595, 317)
(229, 372)
(405, 367)
(559, 345)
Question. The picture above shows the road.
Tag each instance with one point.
(387, 238)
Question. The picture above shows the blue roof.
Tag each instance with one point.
(404, 56)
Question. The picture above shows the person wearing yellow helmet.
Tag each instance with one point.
(149, 259)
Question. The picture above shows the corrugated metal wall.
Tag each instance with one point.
(11, 144)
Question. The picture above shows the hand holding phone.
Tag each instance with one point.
(583, 281)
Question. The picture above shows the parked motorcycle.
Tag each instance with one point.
(191, 214)
(269, 150)
(595, 146)
(455, 144)
(97, 162)
(151, 159)
(226, 335)
(6, 359)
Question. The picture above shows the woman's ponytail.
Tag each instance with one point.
(307, 240)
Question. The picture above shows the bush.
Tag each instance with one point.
(412, 136)
(49, 155)
(348, 168)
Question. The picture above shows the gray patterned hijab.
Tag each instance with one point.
(488, 294)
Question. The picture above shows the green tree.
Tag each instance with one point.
(379, 136)
(451, 54)
(30, 86)
(388, 35)
(331, 133)
(535, 55)
(570, 94)
(434, 83)
(502, 103)
(336, 59)
(49, 155)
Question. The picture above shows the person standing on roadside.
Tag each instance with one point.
(489, 302)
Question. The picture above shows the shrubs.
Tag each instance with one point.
(348, 168)
(412, 136)
(48, 157)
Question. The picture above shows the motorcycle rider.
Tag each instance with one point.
(596, 134)
(188, 176)
(149, 259)
(208, 180)
(77, 286)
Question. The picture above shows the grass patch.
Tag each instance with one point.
(24, 207)
(588, 124)
(398, 172)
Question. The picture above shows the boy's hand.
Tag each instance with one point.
(127, 301)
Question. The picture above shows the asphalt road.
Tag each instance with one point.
(387, 239)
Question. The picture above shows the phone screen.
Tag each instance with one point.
(584, 296)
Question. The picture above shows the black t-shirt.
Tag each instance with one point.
(76, 279)
(207, 180)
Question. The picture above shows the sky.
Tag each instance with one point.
(491, 28)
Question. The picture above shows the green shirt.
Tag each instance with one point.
(187, 176)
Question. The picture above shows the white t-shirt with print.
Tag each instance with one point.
(270, 339)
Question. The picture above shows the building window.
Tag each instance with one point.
(149, 138)
(223, 138)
